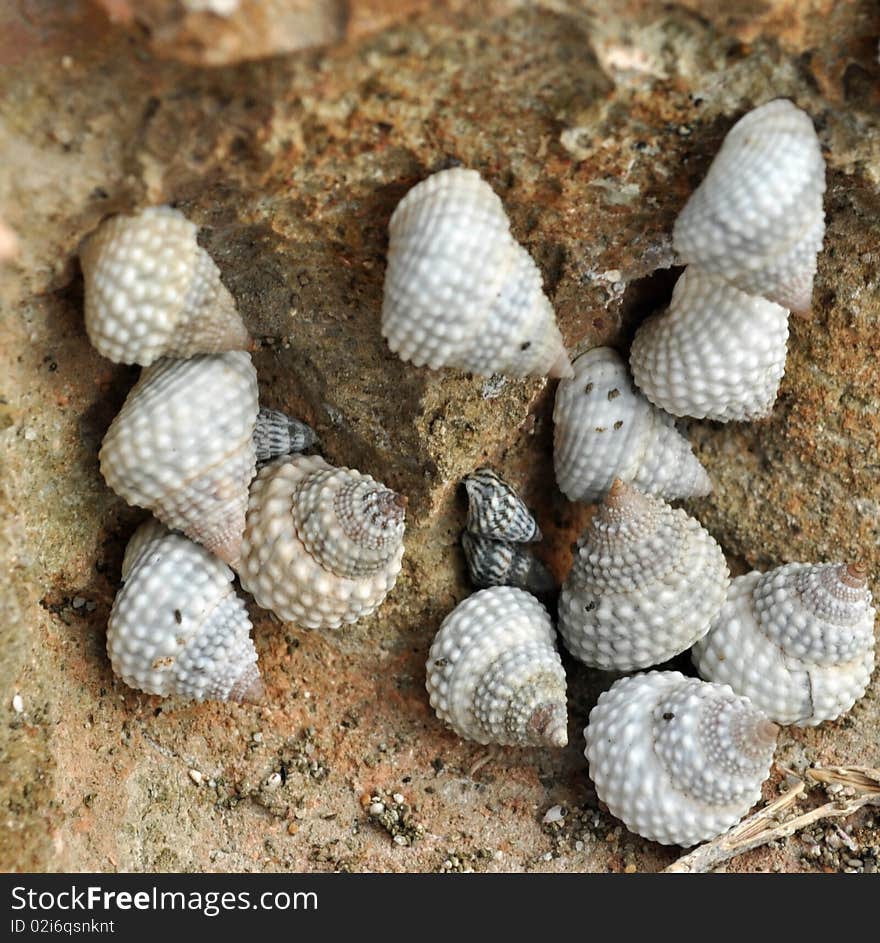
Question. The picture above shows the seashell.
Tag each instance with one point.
(716, 353)
(177, 625)
(459, 291)
(646, 583)
(757, 218)
(276, 434)
(151, 291)
(495, 510)
(322, 545)
(676, 759)
(605, 429)
(505, 563)
(181, 446)
(798, 641)
(494, 674)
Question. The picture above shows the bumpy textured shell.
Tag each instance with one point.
(646, 583)
(182, 447)
(757, 218)
(322, 545)
(798, 641)
(676, 759)
(495, 510)
(276, 434)
(504, 563)
(605, 429)
(459, 291)
(494, 674)
(177, 626)
(716, 353)
(151, 291)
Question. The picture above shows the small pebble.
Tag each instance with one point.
(273, 781)
(78, 602)
(553, 814)
(398, 798)
(17, 703)
(257, 737)
(377, 808)
(195, 776)
(401, 840)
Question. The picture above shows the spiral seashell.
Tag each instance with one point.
(605, 429)
(494, 674)
(798, 641)
(495, 510)
(177, 625)
(322, 545)
(276, 434)
(151, 291)
(676, 759)
(757, 218)
(459, 291)
(181, 446)
(646, 583)
(716, 353)
(505, 563)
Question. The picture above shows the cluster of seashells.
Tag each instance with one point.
(314, 543)
(676, 758)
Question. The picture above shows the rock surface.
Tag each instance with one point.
(593, 122)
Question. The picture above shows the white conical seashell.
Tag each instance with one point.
(494, 674)
(798, 641)
(676, 759)
(177, 625)
(151, 291)
(757, 218)
(182, 446)
(496, 511)
(276, 434)
(322, 545)
(715, 353)
(646, 583)
(605, 429)
(459, 291)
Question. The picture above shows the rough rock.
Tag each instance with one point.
(593, 121)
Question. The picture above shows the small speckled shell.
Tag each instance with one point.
(182, 446)
(798, 641)
(676, 759)
(177, 627)
(605, 429)
(757, 218)
(277, 434)
(505, 563)
(151, 291)
(495, 510)
(494, 674)
(716, 353)
(322, 545)
(646, 583)
(459, 291)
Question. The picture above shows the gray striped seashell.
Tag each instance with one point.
(177, 626)
(646, 583)
(757, 218)
(494, 674)
(277, 434)
(495, 510)
(322, 545)
(798, 641)
(676, 759)
(182, 446)
(715, 353)
(505, 563)
(151, 291)
(605, 429)
(459, 291)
